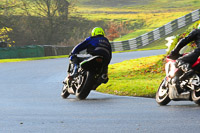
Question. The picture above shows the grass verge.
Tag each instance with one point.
(30, 59)
(138, 77)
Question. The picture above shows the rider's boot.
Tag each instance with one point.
(104, 76)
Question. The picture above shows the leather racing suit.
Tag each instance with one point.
(97, 45)
(192, 56)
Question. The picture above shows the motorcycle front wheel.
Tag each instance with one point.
(162, 97)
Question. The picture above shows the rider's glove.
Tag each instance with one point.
(174, 55)
(71, 56)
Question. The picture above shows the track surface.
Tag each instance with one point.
(30, 102)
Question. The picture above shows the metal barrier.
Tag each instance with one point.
(156, 34)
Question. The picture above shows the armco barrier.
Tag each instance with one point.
(156, 34)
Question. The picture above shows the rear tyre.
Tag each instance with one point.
(196, 97)
(86, 86)
(64, 93)
(162, 97)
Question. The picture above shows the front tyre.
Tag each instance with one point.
(86, 86)
(64, 93)
(162, 97)
(196, 97)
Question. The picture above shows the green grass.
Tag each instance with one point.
(138, 23)
(152, 13)
(141, 4)
(137, 77)
(30, 59)
(133, 34)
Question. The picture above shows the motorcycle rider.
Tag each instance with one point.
(96, 44)
(186, 61)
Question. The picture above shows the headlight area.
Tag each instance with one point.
(170, 69)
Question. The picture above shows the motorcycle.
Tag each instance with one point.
(168, 89)
(87, 78)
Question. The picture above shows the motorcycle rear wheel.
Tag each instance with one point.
(64, 93)
(87, 85)
(196, 97)
(162, 97)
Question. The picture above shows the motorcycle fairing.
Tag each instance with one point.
(196, 63)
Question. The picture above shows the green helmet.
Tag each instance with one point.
(98, 31)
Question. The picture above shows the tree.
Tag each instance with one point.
(4, 38)
(48, 8)
(7, 5)
(53, 12)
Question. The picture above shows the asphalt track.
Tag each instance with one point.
(30, 102)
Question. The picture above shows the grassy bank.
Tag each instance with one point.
(140, 16)
(137, 77)
(137, 24)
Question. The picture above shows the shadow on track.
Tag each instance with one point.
(89, 99)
